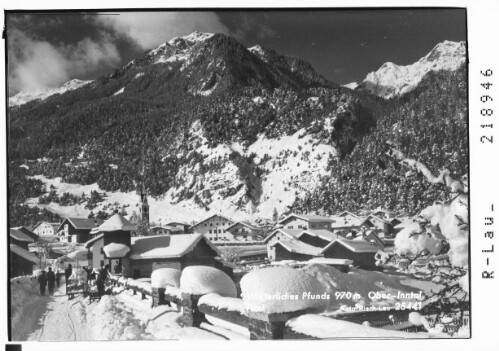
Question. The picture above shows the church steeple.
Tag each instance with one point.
(144, 205)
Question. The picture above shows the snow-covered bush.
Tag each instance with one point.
(282, 289)
(201, 280)
(410, 240)
(162, 277)
(452, 219)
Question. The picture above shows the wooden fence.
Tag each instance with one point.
(261, 326)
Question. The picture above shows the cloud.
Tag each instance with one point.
(253, 25)
(36, 64)
(150, 29)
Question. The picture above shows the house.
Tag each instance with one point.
(21, 238)
(298, 245)
(45, 229)
(296, 221)
(175, 251)
(184, 226)
(77, 230)
(348, 215)
(245, 231)
(163, 230)
(112, 243)
(385, 214)
(360, 252)
(214, 227)
(137, 257)
(386, 225)
(372, 238)
(343, 225)
(21, 261)
(317, 238)
(291, 249)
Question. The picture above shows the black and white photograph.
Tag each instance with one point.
(239, 174)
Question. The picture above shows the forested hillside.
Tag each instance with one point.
(210, 120)
(429, 124)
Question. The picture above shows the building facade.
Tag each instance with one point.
(214, 228)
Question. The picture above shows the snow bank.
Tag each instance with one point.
(146, 286)
(360, 282)
(200, 280)
(168, 326)
(27, 306)
(163, 277)
(114, 321)
(217, 301)
(324, 327)
(282, 289)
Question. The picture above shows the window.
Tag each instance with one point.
(290, 227)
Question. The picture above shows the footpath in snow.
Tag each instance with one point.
(121, 316)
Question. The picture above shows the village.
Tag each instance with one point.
(230, 252)
(341, 240)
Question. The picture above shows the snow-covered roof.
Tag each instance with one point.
(89, 243)
(54, 225)
(347, 223)
(115, 223)
(245, 224)
(82, 223)
(167, 227)
(206, 219)
(116, 250)
(176, 224)
(297, 246)
(346, 213)
(358, 246)
(23, 253)
(290, 233)
(308, 218)
(328, 328)
(331, 261)
(19, 235)
(321, 233)
(164, 246)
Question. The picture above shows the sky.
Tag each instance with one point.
(45, 50)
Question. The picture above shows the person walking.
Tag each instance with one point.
(68, 272)
(51, 281)
(42, 280)
(58, 278)
(101, 280)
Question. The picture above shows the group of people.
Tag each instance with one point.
(51, 279)
(48, 278)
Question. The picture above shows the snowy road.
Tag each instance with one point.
(65, 320)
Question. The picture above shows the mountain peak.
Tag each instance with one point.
(24, 97)
(392, 80)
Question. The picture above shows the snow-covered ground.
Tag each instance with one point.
(121, 316)
(287, 162)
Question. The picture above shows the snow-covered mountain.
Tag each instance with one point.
(392, 80)
(24, 97)
(351, 85)
(222, 127)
